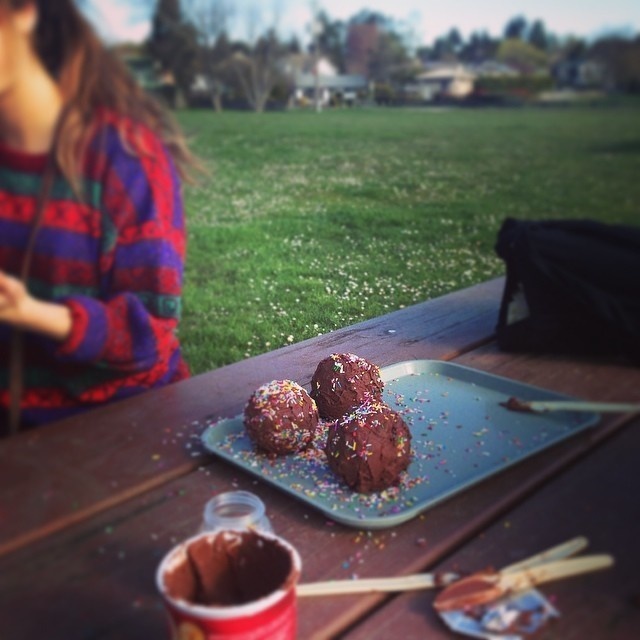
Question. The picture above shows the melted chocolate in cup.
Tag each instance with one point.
(229, 583)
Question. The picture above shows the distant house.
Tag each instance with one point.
(493, 69)
(580, 74)
(332, 87)
(443, 80)
(342, 89)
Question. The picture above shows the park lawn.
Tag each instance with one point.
(312, 221)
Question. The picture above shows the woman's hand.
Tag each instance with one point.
(13, 295)
(21, 310)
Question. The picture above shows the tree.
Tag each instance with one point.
(389, 62)
(521, 55)
(621, 57)
(374, 48)
(257, 69)
(448, 48)
(257, 65)
(538, 36)
(173, 43)
(332, 37)
(166, 23)
(454, 40)
(217, 67)
(251, 67)
(215, 49)
(516, 28)
(479, 47)
(574, 49)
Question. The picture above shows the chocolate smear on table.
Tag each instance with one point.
(515, 404)
(468, 592)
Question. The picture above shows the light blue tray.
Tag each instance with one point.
(461, 435)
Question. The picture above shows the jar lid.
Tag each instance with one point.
(234, 510)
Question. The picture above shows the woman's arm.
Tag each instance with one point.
(21, 310)
(131, 327)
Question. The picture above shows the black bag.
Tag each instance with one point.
(572, 286)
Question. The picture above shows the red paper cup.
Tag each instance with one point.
(231, 585)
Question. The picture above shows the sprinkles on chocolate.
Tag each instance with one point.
(281, 417)
(342, 382)
(369, 448)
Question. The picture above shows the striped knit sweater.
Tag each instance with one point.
(115, 259)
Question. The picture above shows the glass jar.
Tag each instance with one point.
(237, 510)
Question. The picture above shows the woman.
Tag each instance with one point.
(92, 233)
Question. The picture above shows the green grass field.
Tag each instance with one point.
(310, 222)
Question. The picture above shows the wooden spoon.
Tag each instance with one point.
(373, 585)
(537, 406)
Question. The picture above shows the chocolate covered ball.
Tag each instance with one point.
(369, 448)
(281, 417)
(342, 382)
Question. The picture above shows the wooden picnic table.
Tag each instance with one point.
(89, 505)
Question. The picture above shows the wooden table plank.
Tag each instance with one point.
(598, 498)
(107, 563)
(588, 378)
(55, 476)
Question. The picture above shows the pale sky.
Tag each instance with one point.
(424, 19)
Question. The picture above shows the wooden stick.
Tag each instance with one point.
(553, 571)
(564, 550)
(372, 585)
(517, 576)
(515, 404)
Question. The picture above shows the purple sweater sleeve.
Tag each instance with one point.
(131, 326)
